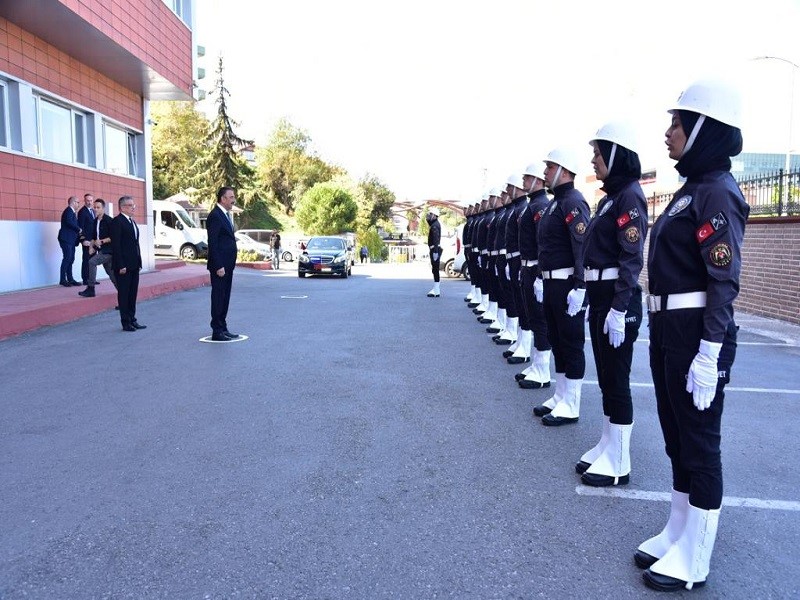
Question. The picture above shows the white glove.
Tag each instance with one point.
(575, 301)
(508, 272)
(701, 381)
(615, 327)
(435, 256)
(538, 289)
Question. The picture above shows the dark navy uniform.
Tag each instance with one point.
(561, 232)
(490, 270)
(499, 246)
(695, 246)
(532, 315)
(434, 247)
(613, 257)
(515, 211)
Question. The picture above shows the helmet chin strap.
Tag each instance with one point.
(611, 157)
(557, 176)
(693, 135)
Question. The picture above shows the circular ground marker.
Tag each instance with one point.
(208, 340)
(294, 297)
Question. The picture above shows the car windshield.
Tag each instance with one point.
(326, 243)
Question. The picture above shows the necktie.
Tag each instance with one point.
(230, 220)
(135, 229)
(91, 212)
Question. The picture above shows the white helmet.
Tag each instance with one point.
(495, 192)
(565, 157)
(621, 133)
(715, 98)
(515, 180)
(433, 211)
(485, 196)
(536, 169)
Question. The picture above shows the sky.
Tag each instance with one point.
(443, 99)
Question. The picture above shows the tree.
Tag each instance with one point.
(326, 209)
(287, 168)
(179, 133)
(375, 202)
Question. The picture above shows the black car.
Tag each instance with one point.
(329, 255)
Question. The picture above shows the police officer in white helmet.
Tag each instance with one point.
(434, 247)
(694, 264)
(613, 257)
(560, 235)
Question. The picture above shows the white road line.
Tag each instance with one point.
(609, 492)
(770, 344)
(728, 388)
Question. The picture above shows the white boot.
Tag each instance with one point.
(552, 401)
(539, 376)
(523, 351)
(483, 303)
(510, 331)
(649, 551)
(491, 312)
(591, 455)
(613, 466)
(568, 410)
(687, 561)
(434, 293)
(470, 295)
(499, 323)
(521, 375)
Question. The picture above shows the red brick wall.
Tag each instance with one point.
(37, 190)
(145, 28)
(770, 281)
(33, 60)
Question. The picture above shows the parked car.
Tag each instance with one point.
(330, 255)
(261, 236)
(452, 261)
(245, 242)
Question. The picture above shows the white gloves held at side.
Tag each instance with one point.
(701, 381)
(435, 256)
(575, 301)
(538, 289)
(614, 326)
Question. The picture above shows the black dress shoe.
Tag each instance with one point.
(517, 360)
(530, 384)
(87, 293)
(507, 353)
(220, 337)
(116, 308)
(472, 304)
(138, 326)
(231, 336)
(595, 480)
(128, 328)
(519, 376)
(665, 583)
(500, 341)
(552, 421)
(477, 311)
(493, 330)
(75, 283)
(65, 283)
(580, 469)
(485, 320)
(540, 410)
(643, 560)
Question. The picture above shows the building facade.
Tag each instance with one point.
(76, 79)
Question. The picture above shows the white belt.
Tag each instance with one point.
(502, 251)
(676, 301)
(530, 263)
(601, 274)
(467, 245)
(512, 254)
(493, 253)
(485, 252)
(558, 273)
(476, 251)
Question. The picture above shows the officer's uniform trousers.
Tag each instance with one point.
(565, 333)
(514, 309)
(532, 313)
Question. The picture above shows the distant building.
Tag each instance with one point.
(751, 164)
(76, 80)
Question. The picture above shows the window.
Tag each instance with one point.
(121, 150)
(61, 132)
(3, 114)
(182, 8)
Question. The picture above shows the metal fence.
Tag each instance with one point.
(775, 194)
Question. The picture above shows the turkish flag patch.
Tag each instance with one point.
(705, 230)
(571, 216)
(623, 220)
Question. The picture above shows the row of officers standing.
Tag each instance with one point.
(539, 264)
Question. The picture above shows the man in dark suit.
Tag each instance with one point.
(126, 259)
(85, 221)
(221, 261)
(68, 238)
(100, 249)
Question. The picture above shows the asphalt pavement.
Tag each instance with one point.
(365, 441)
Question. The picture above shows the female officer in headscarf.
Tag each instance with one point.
(694, 264)
(613, 258)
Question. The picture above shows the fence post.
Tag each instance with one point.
(780, 191)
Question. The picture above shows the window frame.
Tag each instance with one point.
(74, 115)
(5, 118)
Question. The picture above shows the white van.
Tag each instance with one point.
(176, 234)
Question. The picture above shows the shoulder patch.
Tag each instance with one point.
(580, 228)
(605, 208)
(538, 215)
(715, 223)
(571, 216)
(679, 205)
(627, 217)
(632, 234)
(721, 255)
(552, 207)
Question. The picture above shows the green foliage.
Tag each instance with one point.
(374, 244)
(326, 209)
(248, 256)
(287, 168)
(374, 201)
(423, 228)
(179, 133)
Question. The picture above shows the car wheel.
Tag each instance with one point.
(188, 252)
(287, 256)
(344, 273)
(301, 274)
(449, 271)
(465, 271)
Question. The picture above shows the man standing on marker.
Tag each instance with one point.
(221, 262)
